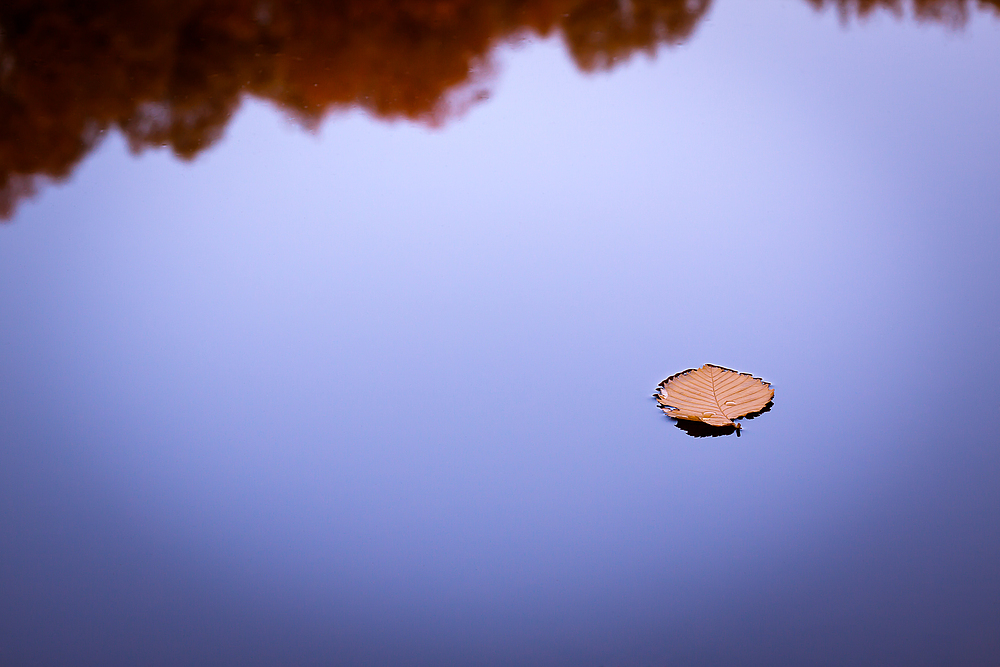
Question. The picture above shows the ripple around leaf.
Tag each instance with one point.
(706, 401)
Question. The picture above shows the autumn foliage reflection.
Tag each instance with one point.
(952, 12)
(172, 72)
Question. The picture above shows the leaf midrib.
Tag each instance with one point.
(716, 396)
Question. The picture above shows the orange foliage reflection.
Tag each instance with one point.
(952, 12)
(172, 72)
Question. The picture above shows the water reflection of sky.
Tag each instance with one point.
(380, 395)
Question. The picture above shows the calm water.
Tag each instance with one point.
(379, 393)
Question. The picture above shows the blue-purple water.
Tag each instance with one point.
(380, 394)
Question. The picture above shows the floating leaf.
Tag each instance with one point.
(713, 395)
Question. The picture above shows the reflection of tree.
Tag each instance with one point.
(953, 12)
(172, 72)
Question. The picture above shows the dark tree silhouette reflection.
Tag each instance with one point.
(952, 12)
(172, 72)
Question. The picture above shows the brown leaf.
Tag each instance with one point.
(713, 395)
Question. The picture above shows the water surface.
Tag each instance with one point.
(379, 393)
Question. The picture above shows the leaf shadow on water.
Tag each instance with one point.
(697, 429)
